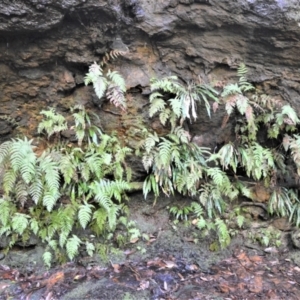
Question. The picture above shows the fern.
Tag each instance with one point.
(183, 103)
(34, 226)
(95, 76)
(6, 210)
(99, 220)
(223, 233)
(85, 214)
(244, 84)
(19, 223)
(112, 85)
(90, 248)
(240, 219)
(72, 246)
(157, 104)
(116, 89)
(280, 202)
(47, 258)
(294, 145)
(113, 54)
(53, 123)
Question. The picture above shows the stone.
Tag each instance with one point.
(282, 224)
(295, 237)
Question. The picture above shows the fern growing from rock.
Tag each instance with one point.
(182, 104)
(253, 112)
(111, 84)
(92, 178)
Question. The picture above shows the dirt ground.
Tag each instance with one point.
(176, 263)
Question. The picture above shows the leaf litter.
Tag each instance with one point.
(244, 275)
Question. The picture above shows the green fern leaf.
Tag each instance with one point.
(7, 209)
(20, 222)
(223, 233)
(177, 106)
(150, 142)
(9, 181)
(5, 149)
(112, 216)
(157, 105)
(85, 214)
(90, 248)
(72, 246)
(47, 258)
(240, 221)
(49, 199)
(99, 220)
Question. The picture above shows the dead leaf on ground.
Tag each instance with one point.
(116, 267)
(255, 258)
(170, 264)
(256, 285)
(133, 241)
(143, 285)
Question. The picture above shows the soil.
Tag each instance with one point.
(176, 263)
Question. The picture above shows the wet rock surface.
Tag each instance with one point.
(46, 48)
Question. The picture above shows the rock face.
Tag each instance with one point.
(46, 47)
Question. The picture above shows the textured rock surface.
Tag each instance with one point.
(46, 47)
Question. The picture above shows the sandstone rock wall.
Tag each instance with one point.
(46, 47)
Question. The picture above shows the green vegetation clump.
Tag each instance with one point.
(175, 164)
(83, 186)
(67, 187)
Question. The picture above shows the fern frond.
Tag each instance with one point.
(116, 89)
(95, 76)
(164, 116)
(99, 220)
(10, 177)
(21, 192)
(244, 84)
(102, 193)
(223, 233)
(49, 198)
(182, 134)
(150, 142)
(95, 70)
(23, 158)
(34, 226)
(112, 216)
(36, 188)
(165, 148)
(231, 89)
(51, 171)
(290, 113)
(7, 209)
(72, 246)
(85, 214)
(20, 222)
(113, 54)
(168, 84)
(47, 258)
(176, 105)
(148, 161)
(90, 248)
(295, 151)
(280, 202)
(54, 122)
(242, 104)
(67, 167)
(5, 149)
(156, 105)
